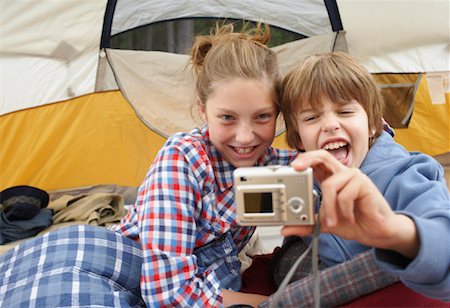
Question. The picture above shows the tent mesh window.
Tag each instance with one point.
(399, 91)
(177, 35)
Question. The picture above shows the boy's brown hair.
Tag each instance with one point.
(335, 75)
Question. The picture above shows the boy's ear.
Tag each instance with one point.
(300, 146)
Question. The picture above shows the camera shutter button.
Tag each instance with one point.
(296, 204)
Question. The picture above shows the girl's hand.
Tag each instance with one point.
(231, 298)
(353, 207)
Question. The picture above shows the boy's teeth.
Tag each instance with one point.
(334, 145)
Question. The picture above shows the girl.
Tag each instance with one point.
(184, 217)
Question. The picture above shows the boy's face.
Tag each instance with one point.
(341, 129)
(241, 116)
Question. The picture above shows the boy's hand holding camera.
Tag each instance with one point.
(353, 207)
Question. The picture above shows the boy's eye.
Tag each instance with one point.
(309, 118)
(346, 111)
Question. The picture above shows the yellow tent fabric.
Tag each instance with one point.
(88, 134)
(98, 139)
(429, 129)
(93, 139)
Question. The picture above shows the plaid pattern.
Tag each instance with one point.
(285, 258)
(76, 266)
(185, 202)
(339, 284)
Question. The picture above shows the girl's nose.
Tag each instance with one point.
(244, 134)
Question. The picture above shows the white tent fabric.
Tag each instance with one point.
(395, 36)
(387, 35)
(148, 78)
(51, 48)
(52, 58)
(308, 17)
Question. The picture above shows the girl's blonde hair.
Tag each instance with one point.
(225, 54)
(337, 76)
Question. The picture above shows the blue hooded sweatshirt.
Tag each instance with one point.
(413, 184)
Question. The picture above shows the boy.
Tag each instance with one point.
(374, 192)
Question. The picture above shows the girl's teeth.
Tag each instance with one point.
(243, 150)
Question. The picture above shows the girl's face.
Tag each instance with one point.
(341, 129)
(241, 116)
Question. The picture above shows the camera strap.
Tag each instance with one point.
(315, 269)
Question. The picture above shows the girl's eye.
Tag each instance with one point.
(264, 116)
(226, 117)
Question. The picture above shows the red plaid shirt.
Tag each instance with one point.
(186, 201)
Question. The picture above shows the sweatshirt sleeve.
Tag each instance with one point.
(420, 192)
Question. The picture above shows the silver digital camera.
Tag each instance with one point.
(274, 195)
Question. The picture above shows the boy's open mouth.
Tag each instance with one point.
(339, 149)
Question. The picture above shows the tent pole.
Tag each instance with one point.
(333, 13)
(107, 23)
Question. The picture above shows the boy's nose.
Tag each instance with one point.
(330, 123)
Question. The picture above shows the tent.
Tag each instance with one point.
(75, 111)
